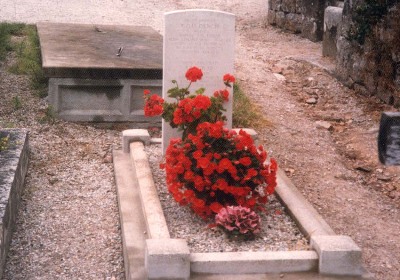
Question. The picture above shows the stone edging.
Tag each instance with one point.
(13, 168)
(170, 258)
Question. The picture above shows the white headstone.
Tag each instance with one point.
(202, 38)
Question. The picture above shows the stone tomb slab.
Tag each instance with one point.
(98, 72)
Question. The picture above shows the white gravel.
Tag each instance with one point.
(278, 230)
(68, 223)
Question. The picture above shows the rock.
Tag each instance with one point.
(364, 168)
(311, 101)
(279, 77)
(324, 125)
(384, 178)
(289, 171)
(277, 69)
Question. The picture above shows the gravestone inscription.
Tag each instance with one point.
(202, 38)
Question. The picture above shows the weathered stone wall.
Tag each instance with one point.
(305, 17)
(372, 66)
(13, 168)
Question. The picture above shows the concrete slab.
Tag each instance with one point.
(307, 218)
(97, 73)
(167, 259)
(338, 255)
(254, 262)
(90, 51)
(133, 226)
(134, 135)
(155, 221)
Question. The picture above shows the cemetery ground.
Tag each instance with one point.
(322, 134)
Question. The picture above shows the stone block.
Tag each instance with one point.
(13, 168)
(275, 5)
(294, 22)
(202, 38)
(271, 17)
(332, 24)
(155, 221)
(254, 262)
(97, 73)
(132, 135)
(311, 30)
(280, 19)
(167, 259)
(289, 6)
(338, 255)
(101, 100)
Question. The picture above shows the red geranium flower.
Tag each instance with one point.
(153, 105)
(194, 74)
(246, 161)
(210, 167)
(228, 78)
(216, 172)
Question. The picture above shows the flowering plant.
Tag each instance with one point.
(189, 110)
(217, 167)
(210, 167)
(238, 220)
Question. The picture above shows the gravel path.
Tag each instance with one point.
(68, 222)
(55, 217)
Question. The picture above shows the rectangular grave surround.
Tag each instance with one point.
(88, 81)
(329, 254)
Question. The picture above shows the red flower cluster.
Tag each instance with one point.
(224, 94)
(194, 74)
(153, 105)
(216, 168)
(228, 78)
(191, 109)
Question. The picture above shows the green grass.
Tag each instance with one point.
(17, 104)
(49, 115)
(6, 31)
(29, 60)
(246, 114)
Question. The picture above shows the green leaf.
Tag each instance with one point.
(200, 90)
(174, 92)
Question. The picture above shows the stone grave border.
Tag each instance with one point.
(169, 258)
(13, 168)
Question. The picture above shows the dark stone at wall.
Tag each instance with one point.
(289, 6)
(373, 67)
(299, 16)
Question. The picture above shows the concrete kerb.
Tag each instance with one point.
(216, 263)
(308, 219)
(14, 161)
(133, 135)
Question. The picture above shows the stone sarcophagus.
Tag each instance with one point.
(97, 73)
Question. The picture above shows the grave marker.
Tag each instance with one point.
(389, 138)
(202, 38)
